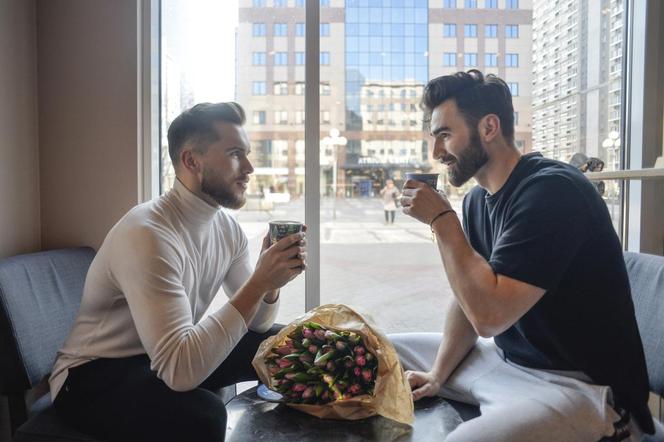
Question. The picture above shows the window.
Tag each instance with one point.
(299, 3)
(490, 31)
(280, 58)
(511, 31)
(514, 89)
(490, 60)
(280, 3)
(258, 88)
(299, 58)
(449, 59)
(325, 58)
(470, 59)
(258, 3)
(325, 117)
(299, 117)
(258, 30)
(324, 3)
(281, 117)
(299, 29)
(511, 4)
(258, 58)
(325, 89)
(280, 29)
(491, 4)
(449, 4)
(516, 118)
(299, 88)
(259, 117)
(449, 30)
(470, 4)
(512, 60)
(470, 30)
(324, 29)
(280, 88)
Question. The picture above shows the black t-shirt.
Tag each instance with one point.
(548, 227)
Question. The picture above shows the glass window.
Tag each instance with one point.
(449, 30)
(470, 4)
(299, 117)
(516, 118)
(490, 60)
(449, 59)
(280, 88)
(259, 88)
(490, 31)
(259, 117)
(470, 30)
(511, 4)
(299, 88)
(325, 89)
(325, 117)
(324, 29)
(258, 3)
(512, 60)
(511, 31)
(324, 58)
(280, 29)
(281, 117)
(258, 30)
(280, 3)
(449, 4)
(491, 4)
(299, 29)
(514, 88)
(470, 59)
(299, 3)
(299, 58)
(280, 58)
(324, 3)
(258, 58)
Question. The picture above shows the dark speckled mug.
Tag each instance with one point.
(430, 178)
(282, 229)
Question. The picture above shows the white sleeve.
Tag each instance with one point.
(148, 269)
(238, 273)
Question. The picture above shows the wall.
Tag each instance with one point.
(88, 114)
(19, 152)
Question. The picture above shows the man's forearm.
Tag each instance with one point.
(459, 337)
(247, 299)
(272, 296)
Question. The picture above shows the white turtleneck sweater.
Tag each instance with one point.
(149, 285)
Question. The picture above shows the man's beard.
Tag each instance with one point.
(218, 191)
(470, 160)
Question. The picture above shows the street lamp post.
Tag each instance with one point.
(334, 140)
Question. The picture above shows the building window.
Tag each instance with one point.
(258, 59)
(299, 88)
(299, 29)
(280, 3)
(490, 31)
(511, 31)
(511, 4)
(259, 117)
(280, 29)
(281, 58)
(512, 60)
(449, 4)
(258, 3)
(449, 30)
(299, 58)
(325, 89)
(470, 30)
(324, 29)
(324, 3)
(280, 117)
(299, 117)
(449, 59)
(258, 88)
(470, 4)
(470, 59)
(280, 88)
(325, 58)
(491, 4)
(259, 30)
(516, 118)
(490, 60)
(325, 117)
(514, 89)
(299, 3)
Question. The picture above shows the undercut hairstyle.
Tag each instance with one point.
(196, 126)
(475, 96)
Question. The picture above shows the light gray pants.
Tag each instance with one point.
(517, 403)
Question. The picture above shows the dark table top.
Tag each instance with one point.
(252, 419)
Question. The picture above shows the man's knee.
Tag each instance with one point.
(205, 417)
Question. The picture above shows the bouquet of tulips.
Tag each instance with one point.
(333, 363)
(317, 365)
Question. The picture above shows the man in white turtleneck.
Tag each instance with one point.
(141, 363)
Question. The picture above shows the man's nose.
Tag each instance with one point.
(247, 168)
(438, 150)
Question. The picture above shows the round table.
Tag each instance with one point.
(253, 419)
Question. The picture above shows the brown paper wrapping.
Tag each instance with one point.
(392, 395)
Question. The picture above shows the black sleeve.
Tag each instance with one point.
(543, 229)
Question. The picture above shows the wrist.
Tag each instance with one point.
(256, 287)
(271, 296)
(442, 214)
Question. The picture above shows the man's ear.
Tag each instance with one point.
(189, 161)
(490, 127)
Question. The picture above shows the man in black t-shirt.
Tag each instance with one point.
(536, 266)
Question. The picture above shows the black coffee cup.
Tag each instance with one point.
(429, 178)
(282, 229)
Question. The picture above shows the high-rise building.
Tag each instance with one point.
(375, 58)
(577, 60)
